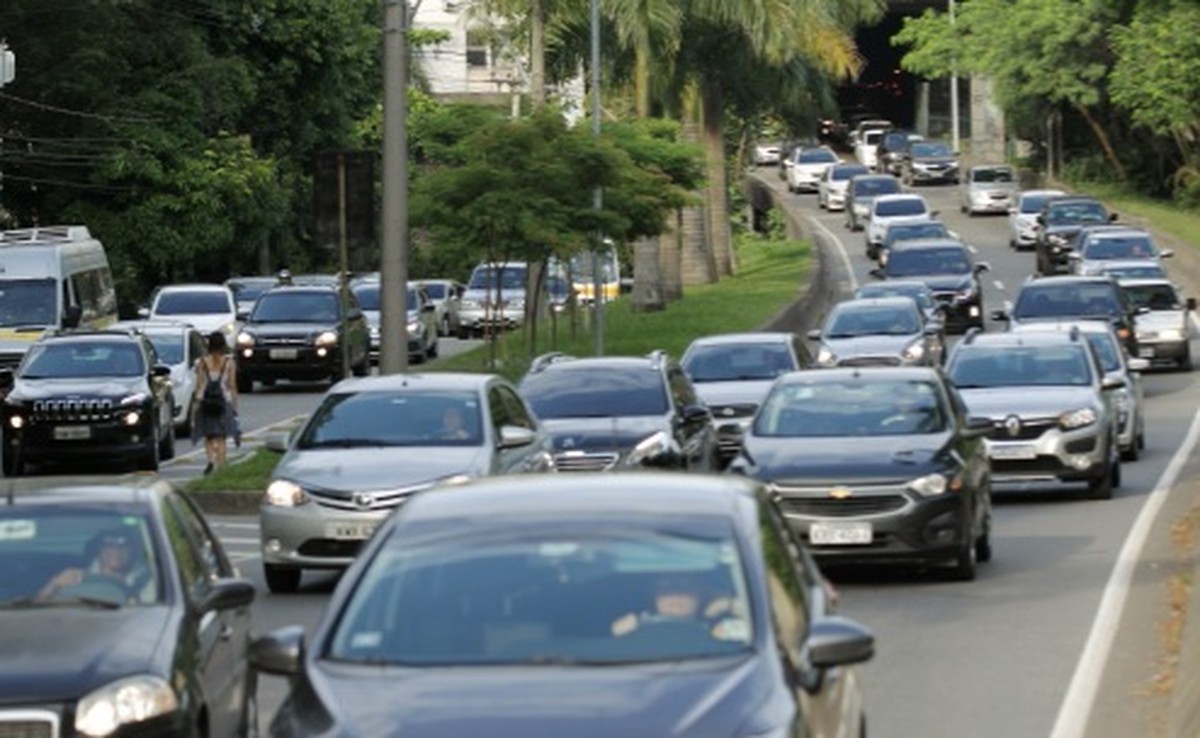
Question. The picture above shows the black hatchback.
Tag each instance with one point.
(122, 615)
(946, 265)
(621, 412)
(652, 604)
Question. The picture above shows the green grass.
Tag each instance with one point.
(249, 474)
(771, 274)
(1138, 209)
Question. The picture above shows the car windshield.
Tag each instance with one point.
(81, 359)
(436, 290)
(816, 156)
(843, 173)
(595, 392)
(85, 555)
(895, 141)
(1153, 296)
(856, 407)
(930, 148)
(909, 262)
(1081, 300)
(491, 278)
(875, 186)
(998, 174)
(401, 418)
(28, 302)
(1139, 246)
(918, 292)
(910, 231)
(169, 346)
(1034, 203)
(731, 362)
(1019, 366)
(249, 291)
(853, 321)
(286, 306)
(199, 302)
(549, 595)
(1076, 212)
(368, 297)
(901, 206)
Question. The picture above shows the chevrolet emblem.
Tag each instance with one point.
(840, 493)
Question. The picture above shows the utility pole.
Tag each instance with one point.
(598, 193)
(954, 128)
(8, 72)
(393, 267)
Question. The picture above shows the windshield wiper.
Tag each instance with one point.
(27, 327)
(349, 443)
(30, 603)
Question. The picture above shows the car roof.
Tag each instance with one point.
(90, 334)
(745, 337)
(897, 301)
(1072, 198)
(1068, 279)
(1042, 193)
(320, 289)
(1115, 232)
(923, 244)
(1065, 325)
(630, 494)
(891, 284)
(161, 325)
(987, 167)
(1148, 282)
(867, 177)
(1019, 338)
(67, 490)
(566, 363)
(431, 381)
(194, 287)
(843, 373)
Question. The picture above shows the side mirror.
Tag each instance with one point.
(143, 312)
(161, 370)
(1166, 254)
(226, 594)
(692, 413)
(428, 307)
(243, 315)
(279, 652)
(1191, 303)
(1112, 382)
(838, 641)
(73, 314)
(514, 436)
(934, 213)
(277, 442)
(1138, 364)
(1000, 315)
(814, 334)
(977, 427)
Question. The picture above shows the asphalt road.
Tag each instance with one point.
(1000, 656)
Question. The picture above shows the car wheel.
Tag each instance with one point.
(363, 368)
(1141, 440)
(463, 333)
(281, 579)
(14, 466)
(1101, 488)
(964, 563)
(1185, 362)
(983, 544)
(166, 448)
(148, 461)
(245, 384)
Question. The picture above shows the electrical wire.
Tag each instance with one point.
(77, 113)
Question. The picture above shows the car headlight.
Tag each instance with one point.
(1171, 334)
(245, 339)
(228, 329)
(860, 209)
(914, 351)
(658, 444)
(133, 400)
(931, 485)
(124, 702)
(284, 493)
(1080, 418)
(374, 331)
(328, 338)
(1057, 240)
(455, 479)
(468, 304)
(1121, 399)
(825, 357)
(16, 421)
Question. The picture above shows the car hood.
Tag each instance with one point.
(355, 469)
(1068, 230)
(715, 394)
(290, 330)
(879, 220)
(205, 323)
(934, 160)
(484, 294)
(681, 699)
(998, 403)
(89, 387)
(808, 461)
(601, 434)
(1007, 187)
(1161, 319)
(874, 345)
(61, 653)
(945, 282)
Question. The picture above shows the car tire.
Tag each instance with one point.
(463, 333)
(13, 465)
(245, 384)
(363, 368)
(983, 546)
(1185, 362)
(281, 579)
(1141, 440)
(1101, 488)
(965, 562)
(148, 461)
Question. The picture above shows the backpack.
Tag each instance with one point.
(212, 402)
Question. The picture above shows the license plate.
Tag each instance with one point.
(839, 534)
(72, 432)
(350, 531)
(1146, 352)
(284, 353)
(1013, 451)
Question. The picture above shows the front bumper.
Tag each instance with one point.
(1042, 451)
(875, 523)
(926, 174)
(304, 363)
(835, 200)
(1162, 351)
(805, 181)
(42, 442)
(478, 318)
(312, 536)
(997, 202)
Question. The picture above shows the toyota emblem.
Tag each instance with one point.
(568, 443)
(364, 500)
(728, 412)
(1012, 424)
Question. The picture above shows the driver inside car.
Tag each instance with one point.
(114, 561)
(678, 599)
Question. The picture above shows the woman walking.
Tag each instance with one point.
(215, 399)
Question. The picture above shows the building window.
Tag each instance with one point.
(477, 47)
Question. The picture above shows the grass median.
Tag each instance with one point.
(771, 274)
(1164, 215)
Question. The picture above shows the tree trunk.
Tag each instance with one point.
(695, 254)
(537, 53)
(641, 81)
(647, 293)
(712, 97)
(668, 258)
(1102, 136)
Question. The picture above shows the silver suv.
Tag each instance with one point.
(1053, 417)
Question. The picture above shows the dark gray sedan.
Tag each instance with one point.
(640, 604)
(879, 331)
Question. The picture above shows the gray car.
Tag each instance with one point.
(879, 331)
(863, 189)
(375, 442)
(928, 161)
(988, 188)
(1162, 322)
(445, 294)
(1099, 245)
(1046, 394)
(422, 327)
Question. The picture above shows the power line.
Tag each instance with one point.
(77, 113)
(67, 183)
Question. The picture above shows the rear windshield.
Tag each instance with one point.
(1082, 300)
(295, 307)
(192, 303)
(595, 392)
(904, 206)
(909, 262)
(1019, 366)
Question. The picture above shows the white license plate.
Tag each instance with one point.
(839, 534)
(1013, 451)
(1146, 352)
(72, 432)
(350, 531)
(284, 353)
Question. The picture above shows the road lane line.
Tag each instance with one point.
(999, 285)
(841, 250)
(220, 524)
(248, 435)
(1076, 707)
(254, 541)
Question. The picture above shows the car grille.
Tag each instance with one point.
(364, 501)
(574, 461)
(946, 297)
(849, 507)
(10, 360)
(72, 410)
(737, 410)
(1030, 429)
(871, 361)
(283, 341)
(323, 548)
(28, 724)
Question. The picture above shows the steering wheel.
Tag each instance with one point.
(95, 586)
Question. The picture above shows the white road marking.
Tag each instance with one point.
(972, 249)
(252, 541)
(245, 526)
(841, 250)
(1081, 694)
(999, 285)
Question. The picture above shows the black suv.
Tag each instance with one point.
(945, 265)
(96, 395)
(299, 333)
(1067, 297)
(1059, 223)
(620, 413)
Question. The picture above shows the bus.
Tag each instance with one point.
(583, 276)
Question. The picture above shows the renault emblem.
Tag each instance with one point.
(840, 493)
(364, 500)
(1012, 424)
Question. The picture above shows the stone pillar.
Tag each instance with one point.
(987, 124)
(922, 113)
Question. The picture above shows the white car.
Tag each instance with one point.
(1163, 321)
(1022, 218)
(178, 346)
(208, 307)
(766, 154)
(834, 183)
(888, 209)
(866, 151)
(808, 164)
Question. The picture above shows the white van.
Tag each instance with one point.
(51, 277)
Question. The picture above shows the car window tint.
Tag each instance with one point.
(193, 569)
(1017, 366)
(903, 206)
(192, 303)
(1098, 299)
(84, 359)
(820, 408)
(728, 362)
(207, 549)
(597, 391)
(394, 419)
(1153, 296)
(911, 262)
(515, 409)
(1107, 351)
(788, 598)
(285, 306)
(169, 347)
